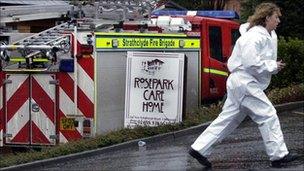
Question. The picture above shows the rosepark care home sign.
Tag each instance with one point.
(154, 88)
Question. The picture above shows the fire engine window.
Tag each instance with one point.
(235, 34)
(215, 40)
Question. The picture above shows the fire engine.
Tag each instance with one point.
(69, 82)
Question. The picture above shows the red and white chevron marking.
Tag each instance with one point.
(1, 108)
(17, 109)
(36, 127)
(85, 96)
(23, 124)
(43, 121)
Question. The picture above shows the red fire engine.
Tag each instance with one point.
(47, 97)
(217, 33)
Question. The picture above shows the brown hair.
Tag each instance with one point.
(261, 12)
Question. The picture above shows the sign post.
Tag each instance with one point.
(154, 88)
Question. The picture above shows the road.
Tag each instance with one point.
(243, 149)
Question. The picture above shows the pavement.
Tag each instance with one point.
(242, 150)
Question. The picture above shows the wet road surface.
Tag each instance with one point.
(243, 149)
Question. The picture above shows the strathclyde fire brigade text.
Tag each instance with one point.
(133, 42)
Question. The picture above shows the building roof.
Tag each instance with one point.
(26, 10)
(33, 2)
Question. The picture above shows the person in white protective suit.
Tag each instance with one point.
(252, 63)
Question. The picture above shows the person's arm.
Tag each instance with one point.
(253, 62)
(281, 65)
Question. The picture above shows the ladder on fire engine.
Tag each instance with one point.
(37, 50)
(41, 48)
(124, 9)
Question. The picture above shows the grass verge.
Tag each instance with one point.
(197, 116)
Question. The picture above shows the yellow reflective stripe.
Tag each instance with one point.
(13, 47)
(17, 59)
(40, 60)
(215, 71)
(104, 42)
(192, 43)
(140, 34)
(146, 43)
(23, 60)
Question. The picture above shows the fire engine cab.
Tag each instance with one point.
(75, 81)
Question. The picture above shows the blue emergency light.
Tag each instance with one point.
(66, 65)
(227, 14)
(168, 13)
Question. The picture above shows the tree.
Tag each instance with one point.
(292, 18)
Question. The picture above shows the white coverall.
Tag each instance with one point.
(243, 30)
(252, 63)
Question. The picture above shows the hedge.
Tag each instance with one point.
(291, 51)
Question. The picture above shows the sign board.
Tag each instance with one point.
(148, 43)
(154, 88)
(110, 40)
(67, 124)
